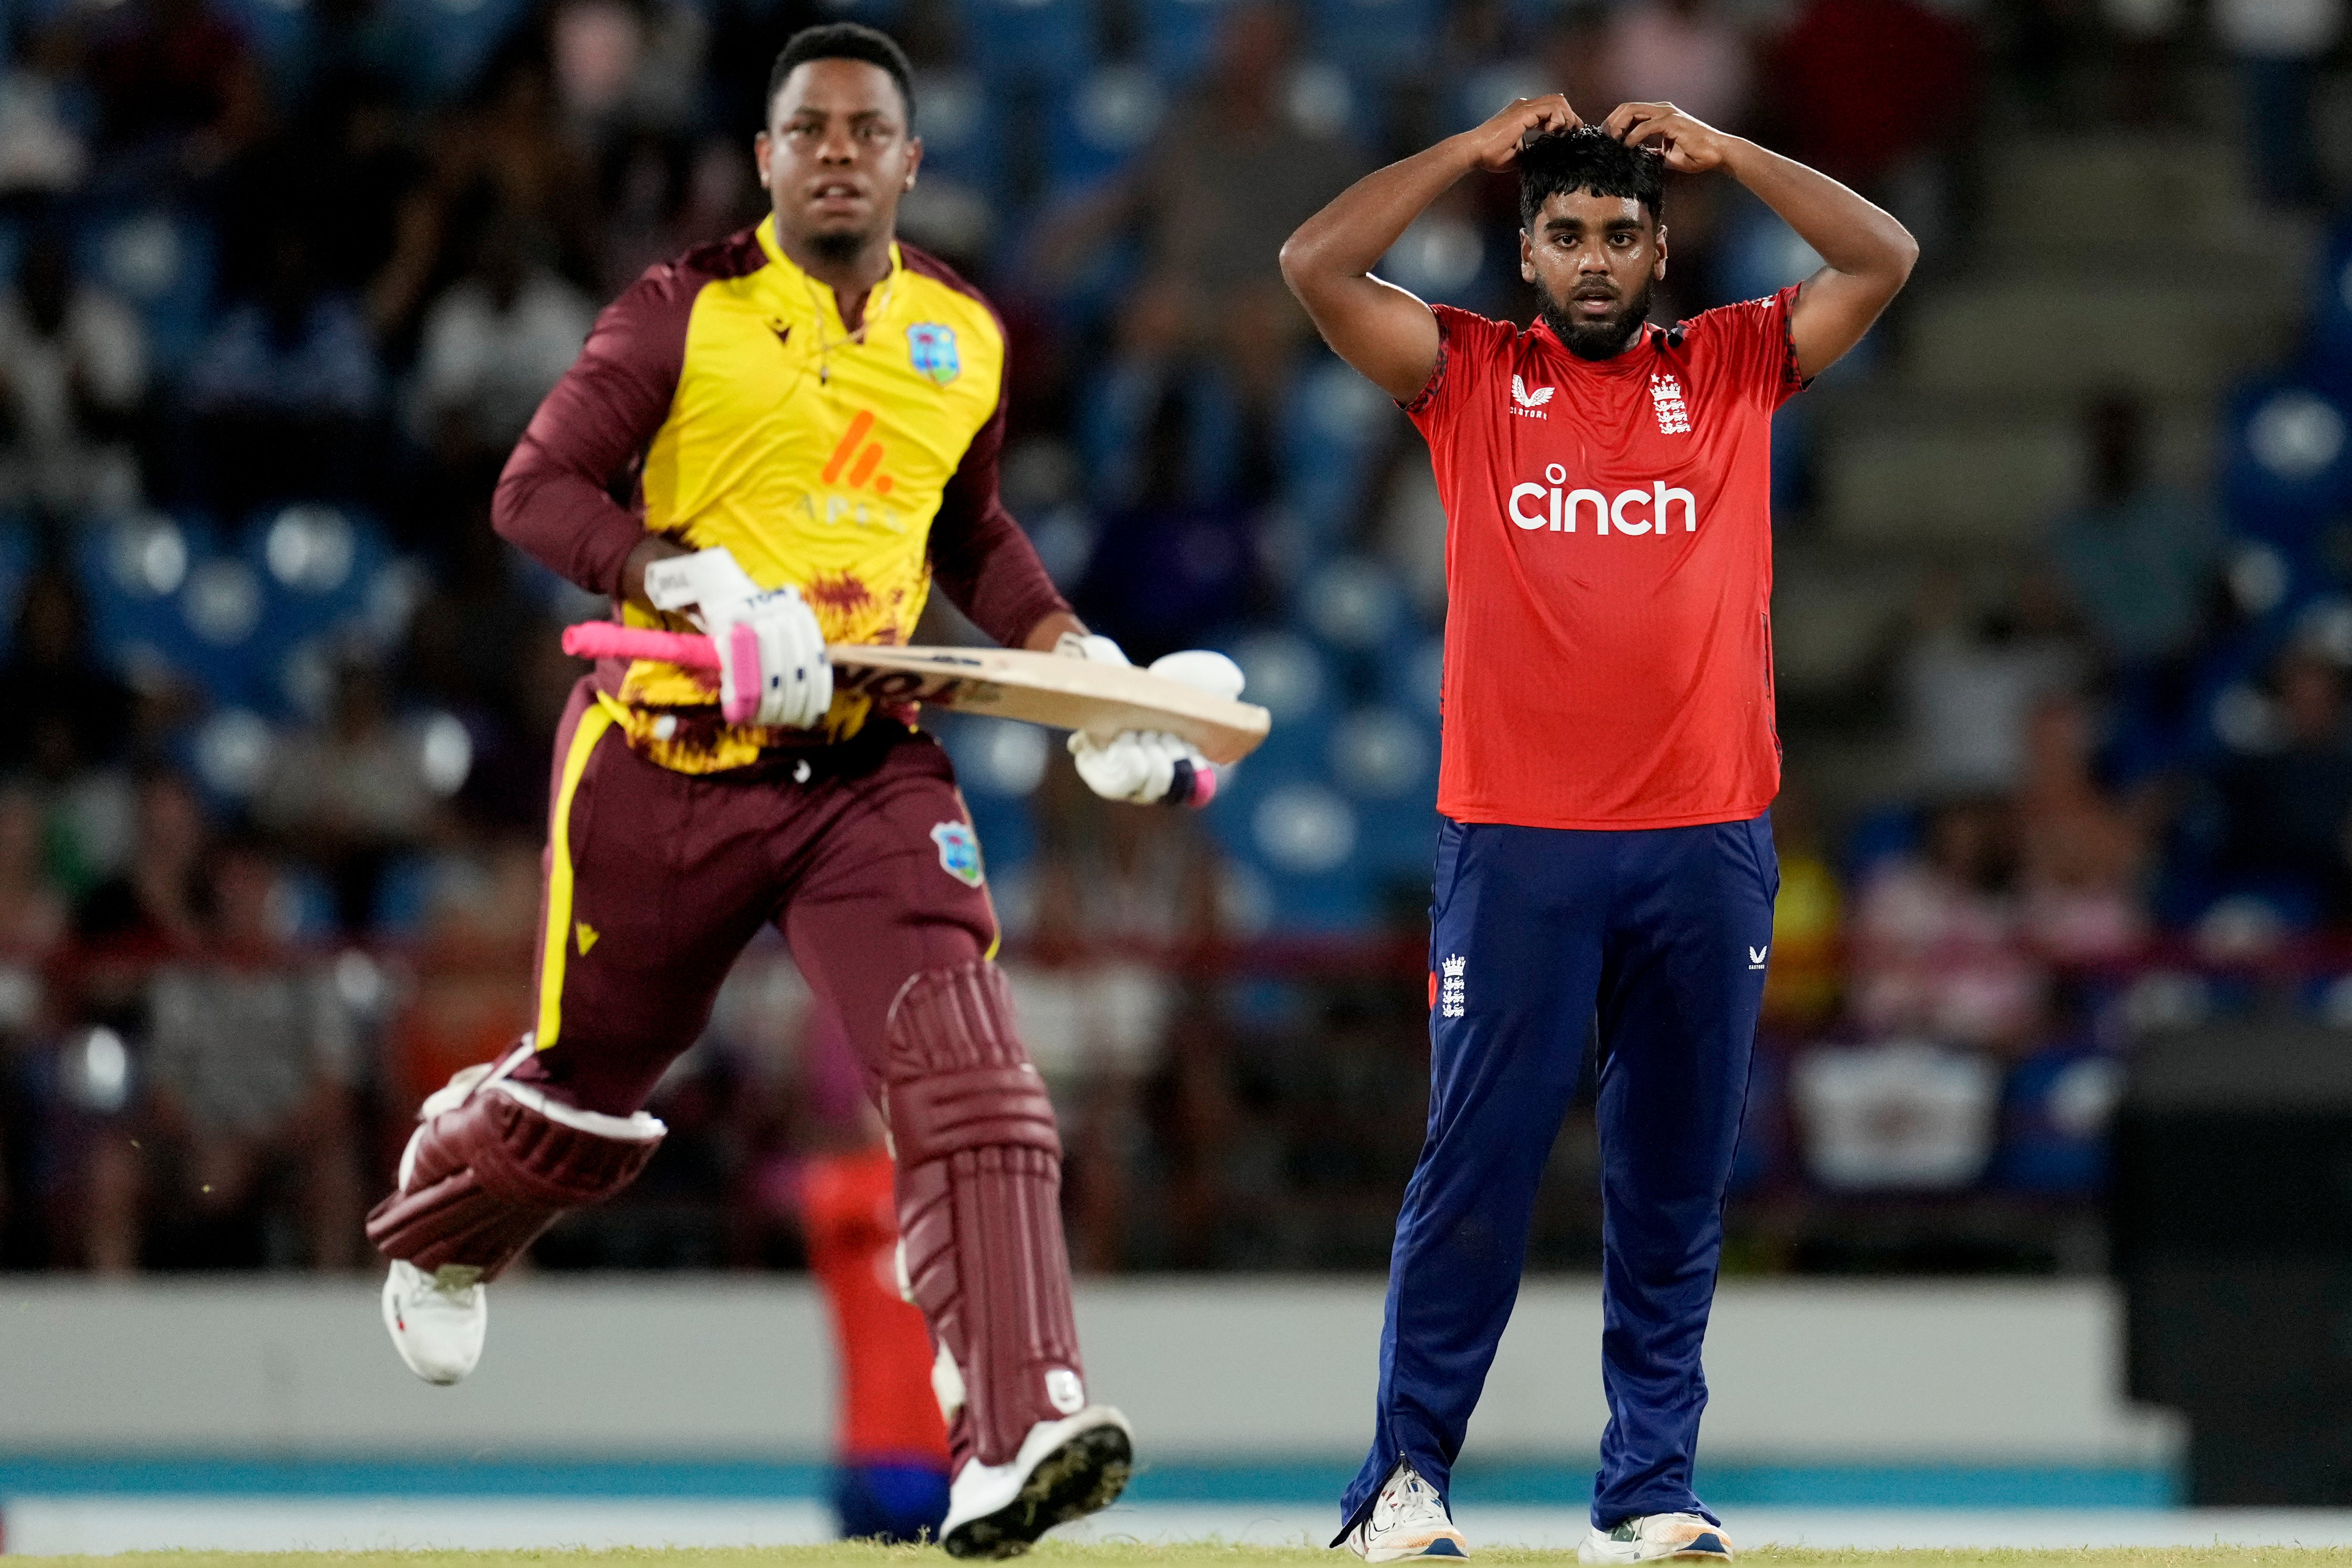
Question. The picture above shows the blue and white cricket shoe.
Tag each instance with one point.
(1655, 1537)
(1408, 1520)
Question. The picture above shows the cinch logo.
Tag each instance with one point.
(865, 461)
(1560, 508)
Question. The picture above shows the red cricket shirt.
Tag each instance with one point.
(1608, 570)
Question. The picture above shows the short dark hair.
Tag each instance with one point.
(843, 41)
(1587, 158)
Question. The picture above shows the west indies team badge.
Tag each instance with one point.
(959, 852)
(932, 348)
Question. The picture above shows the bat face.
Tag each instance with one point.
(1007, 683)
(945, 688)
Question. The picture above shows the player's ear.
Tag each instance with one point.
(1527, 257)
(760, 157)
(914, 160)
(1658, 268)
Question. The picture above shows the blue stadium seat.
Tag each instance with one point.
(1333, 422)
(2055, 1110)
(1384, 759)
(2327, 346)
(2287, 463)
(131, 569)
(316, 562)
(1177, 35)
(962, 130)
(461, 35)
(1097, 124)
(162, 260)
(1379, 40)
(1029, 41)
(17, 558)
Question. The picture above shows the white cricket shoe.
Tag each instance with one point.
(1408, 1520)
(1076, 1466)
(1649, 1537)
(437, 1321)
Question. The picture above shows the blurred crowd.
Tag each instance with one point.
(282, 280)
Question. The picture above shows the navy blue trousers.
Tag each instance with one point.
(1661, 936)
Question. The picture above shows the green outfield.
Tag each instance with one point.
(1189, 1555)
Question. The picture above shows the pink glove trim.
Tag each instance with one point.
(741, 705)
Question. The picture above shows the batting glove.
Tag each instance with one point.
(1150, 765)
(712, 581)
(771, 663)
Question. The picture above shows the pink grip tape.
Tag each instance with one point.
(604, 639)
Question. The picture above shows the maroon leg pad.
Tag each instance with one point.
(980, 1180)
(486, 1178)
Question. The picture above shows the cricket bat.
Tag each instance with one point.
(1102, 699)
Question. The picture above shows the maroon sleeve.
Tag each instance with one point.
(554, 500)
(980, 557)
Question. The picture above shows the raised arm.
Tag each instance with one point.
(1378, 328)
(1866, 255)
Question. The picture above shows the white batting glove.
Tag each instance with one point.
(1148, 765)
(771, 663)
(712, 581)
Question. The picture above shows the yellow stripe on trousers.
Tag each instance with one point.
(557, 941)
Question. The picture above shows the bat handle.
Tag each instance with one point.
(1194, 787)
(604, 639)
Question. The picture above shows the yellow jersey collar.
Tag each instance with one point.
(798, 283)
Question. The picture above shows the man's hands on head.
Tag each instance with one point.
(1145, 766)
(1688, 144)
(1494, 146)
(771, 659)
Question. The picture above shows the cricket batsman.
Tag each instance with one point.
(806, 418)
(1604, 857)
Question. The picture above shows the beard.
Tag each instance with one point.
(1602, 339)
(838, 245)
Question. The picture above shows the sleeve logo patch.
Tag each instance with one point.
(931, 350)
(960, 852)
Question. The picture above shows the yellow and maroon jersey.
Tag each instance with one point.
(854, 467)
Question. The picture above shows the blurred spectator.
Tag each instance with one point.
(32, 909)
(73, 374)
(43, 150)
(2287, 811)
(1227, 177)
(1874, 92)
(353, 793)
(283, 395)
(1686, 52)
(70, 711)
(509, 155)
(2279, 44)
(2082, 853)
(345, 167)
(1969, 679)
(1174, 557)
(1802, 986)
(1938, 945)
(153, 907)
(177, 91)
(2138, 556)
(493, 345)
(247, 1111)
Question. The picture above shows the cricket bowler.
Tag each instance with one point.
(1604, 854)
(806, 418)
